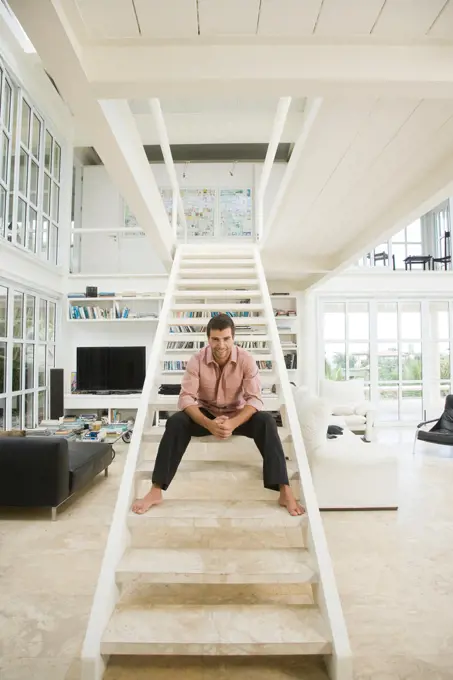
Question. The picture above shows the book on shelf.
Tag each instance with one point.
(197, 315)
(284, 312)
(182, 365)
(175, 365)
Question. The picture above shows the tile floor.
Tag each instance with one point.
(394, 571)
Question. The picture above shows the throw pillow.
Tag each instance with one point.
(313, 415)
(362, 409)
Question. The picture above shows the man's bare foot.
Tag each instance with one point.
(288, 501)
(154, 497)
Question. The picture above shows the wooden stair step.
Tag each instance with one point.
(147, 565)
(216, 630)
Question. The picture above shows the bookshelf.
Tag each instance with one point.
(285, 311)
(115, 308)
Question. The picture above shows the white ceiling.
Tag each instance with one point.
(364, 160)
(380, 148)
(189, 19)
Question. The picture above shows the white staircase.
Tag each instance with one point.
(219, 569)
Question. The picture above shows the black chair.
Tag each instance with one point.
(442, 431)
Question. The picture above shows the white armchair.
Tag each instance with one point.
(347, 399)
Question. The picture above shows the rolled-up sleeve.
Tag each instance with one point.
(189, 385)
(252, 384)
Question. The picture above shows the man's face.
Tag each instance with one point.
(221, 343)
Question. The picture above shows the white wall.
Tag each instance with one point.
(102, 208)
(110, 253)
(102, 335)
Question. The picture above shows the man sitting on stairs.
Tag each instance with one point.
(220, 395)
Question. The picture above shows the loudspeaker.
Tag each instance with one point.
(56, 393)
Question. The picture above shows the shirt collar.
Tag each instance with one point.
(233, 356)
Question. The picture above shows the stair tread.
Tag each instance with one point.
(201, 337)
(219, 307)
(232, 629)
(216, 668)
(230, 281)
(221, 271)
(258, 355)
(248, 468)
(222, 294)
(203, 321)
(155, 434)
(198, 565)
(203, 511)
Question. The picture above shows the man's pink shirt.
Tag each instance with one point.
(222, 391)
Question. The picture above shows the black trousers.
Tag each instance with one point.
(261, 427)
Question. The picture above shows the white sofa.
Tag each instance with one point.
(347, 472)
(346, 398)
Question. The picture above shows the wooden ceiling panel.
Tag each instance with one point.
(107, 19)
(348, 17)
(228, 17)
(168, 19)
(407, 18)
(288, 17)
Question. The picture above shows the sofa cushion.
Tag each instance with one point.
(342, 411)
(86, 460)
(342, 392)
(351, 421)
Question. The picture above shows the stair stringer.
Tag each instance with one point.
(107, 592)
(339, 663)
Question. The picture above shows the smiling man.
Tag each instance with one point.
(221, 395)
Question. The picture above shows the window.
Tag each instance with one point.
(30, 174)
(381, 342)
(347, 341)
(30, 344)
(7, 103)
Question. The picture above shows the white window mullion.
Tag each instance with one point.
(374, 373)
(427, 359)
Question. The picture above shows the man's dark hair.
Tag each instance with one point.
(220, 323)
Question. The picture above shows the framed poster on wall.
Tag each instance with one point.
(130, 222)
(200, 211)
(236, 213)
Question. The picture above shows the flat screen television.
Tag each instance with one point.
(111, 369)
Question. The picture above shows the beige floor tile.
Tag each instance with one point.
(394, 571)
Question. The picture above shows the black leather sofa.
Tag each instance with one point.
(46, 471)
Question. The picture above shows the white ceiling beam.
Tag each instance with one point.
(110, 123)
(277, 130)
(298, 70)
(164, 142)
(309, 119)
